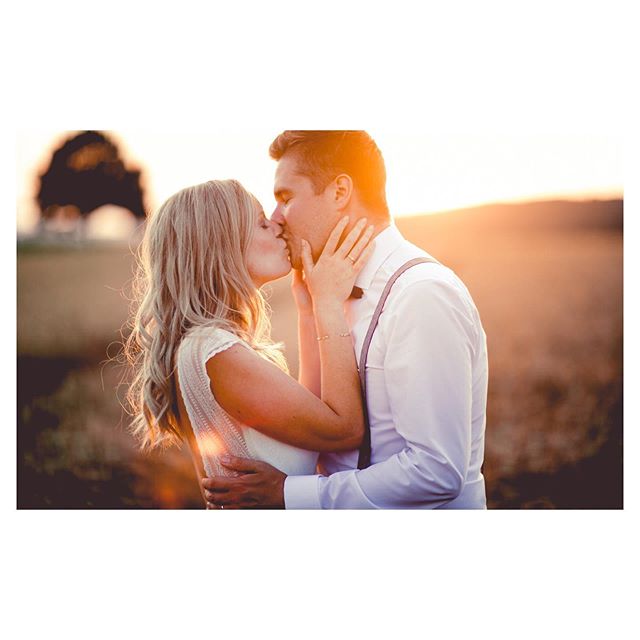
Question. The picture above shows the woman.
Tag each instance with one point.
(206, 370)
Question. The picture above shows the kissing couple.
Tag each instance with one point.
(389, 409)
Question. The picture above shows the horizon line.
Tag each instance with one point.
(579, 198)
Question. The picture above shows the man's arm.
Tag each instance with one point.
(430, 337)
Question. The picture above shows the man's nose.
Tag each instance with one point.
(277, 217)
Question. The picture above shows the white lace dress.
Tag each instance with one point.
(215, 430)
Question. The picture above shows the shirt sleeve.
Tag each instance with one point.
(301, 492)
(429, 334)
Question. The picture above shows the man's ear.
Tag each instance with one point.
(343, 190)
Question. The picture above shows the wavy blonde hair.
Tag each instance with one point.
(191, 272)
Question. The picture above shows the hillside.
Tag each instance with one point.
(547, 215)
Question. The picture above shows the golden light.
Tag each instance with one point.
(210, 446)
(110, 222)
(430, 173)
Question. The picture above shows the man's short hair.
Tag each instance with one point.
(323, 155)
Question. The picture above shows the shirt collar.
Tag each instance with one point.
(387, 241)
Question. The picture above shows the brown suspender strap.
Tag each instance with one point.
(364, 459)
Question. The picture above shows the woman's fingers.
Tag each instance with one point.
(297, 277)
(352, 237)
(307, 258)
(332, 243)
(364, 256)
(362, 243)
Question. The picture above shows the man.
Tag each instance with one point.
(426, 364)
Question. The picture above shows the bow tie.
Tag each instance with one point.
(356, 292)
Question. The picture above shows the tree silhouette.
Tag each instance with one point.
(86, 172)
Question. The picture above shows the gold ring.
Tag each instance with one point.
(352, 259)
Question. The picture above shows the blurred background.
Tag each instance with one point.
(532, 224)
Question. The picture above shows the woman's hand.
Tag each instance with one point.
(332, 277)
(301, 294)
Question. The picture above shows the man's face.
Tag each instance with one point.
(303, 214)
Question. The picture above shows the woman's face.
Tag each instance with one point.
(267, 255)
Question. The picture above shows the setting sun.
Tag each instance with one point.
(432, 173)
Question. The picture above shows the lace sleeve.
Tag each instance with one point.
(216, 432)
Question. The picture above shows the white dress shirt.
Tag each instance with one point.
(427, 375)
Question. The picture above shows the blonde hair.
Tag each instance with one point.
(192, 272)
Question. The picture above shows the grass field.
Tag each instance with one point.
(550, 301)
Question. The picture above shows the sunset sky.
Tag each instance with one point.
(427, 173)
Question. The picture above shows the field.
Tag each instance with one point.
(549, 288)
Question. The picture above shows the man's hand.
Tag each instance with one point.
(260, 486)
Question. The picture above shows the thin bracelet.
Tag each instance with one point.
(341, 335)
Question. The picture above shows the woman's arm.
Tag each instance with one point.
(308, 355)
(260, 395)
(308, 351)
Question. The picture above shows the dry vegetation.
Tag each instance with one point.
(550, 300)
